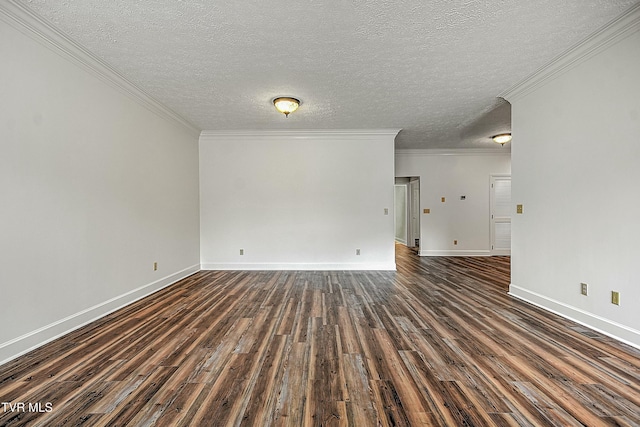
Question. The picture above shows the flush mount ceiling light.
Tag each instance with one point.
(286, 105)
(502, 139)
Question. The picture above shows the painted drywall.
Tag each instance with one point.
(451, 174)
(95, 188)
(575, 155)
(297, 200)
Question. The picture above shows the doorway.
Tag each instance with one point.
(407, 209)
(401, 202)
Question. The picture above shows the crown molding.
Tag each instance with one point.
(454, 152)
(299, 134)
(38, 29)
(617, 30)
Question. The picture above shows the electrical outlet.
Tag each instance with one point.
(615, 297)
(442, 199)
(386, 211)
(455, 242)
(155, 266)
(357, 251)
(518, 209)
(583, 288)
(241, 251)
(426, 211)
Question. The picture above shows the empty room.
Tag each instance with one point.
(319, 213)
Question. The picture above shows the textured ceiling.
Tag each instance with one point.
(432, 68)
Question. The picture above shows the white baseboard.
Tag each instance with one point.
(600, 324)
(454, 252)
(23, 344)
(501, 252)
(299, 266)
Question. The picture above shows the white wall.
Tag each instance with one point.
(94, 188)
(576, 149)
(451, 174)
(297, 200)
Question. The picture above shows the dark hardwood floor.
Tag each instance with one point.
(439, 342)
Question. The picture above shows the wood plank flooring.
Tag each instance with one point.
(439, 342)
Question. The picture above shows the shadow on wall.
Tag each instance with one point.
(492, 121)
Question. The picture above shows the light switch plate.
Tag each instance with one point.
(615, 297)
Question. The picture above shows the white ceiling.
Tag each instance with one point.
(433, 68)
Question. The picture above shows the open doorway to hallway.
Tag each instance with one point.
(407, 211)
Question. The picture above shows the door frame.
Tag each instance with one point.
(413, 230)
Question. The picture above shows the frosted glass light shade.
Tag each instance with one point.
(286, 105)
(502, 139)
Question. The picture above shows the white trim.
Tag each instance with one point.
(29, 23)
(506, 151)
(617, 30)
(600, 324)
(23, 344)
(479, 252)
(226, 135)
(500, 252)
(300, 266)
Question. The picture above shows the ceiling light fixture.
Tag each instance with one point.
(286, 105)
(502, 138)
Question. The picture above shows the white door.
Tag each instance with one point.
(500, 214)
(414, 212)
